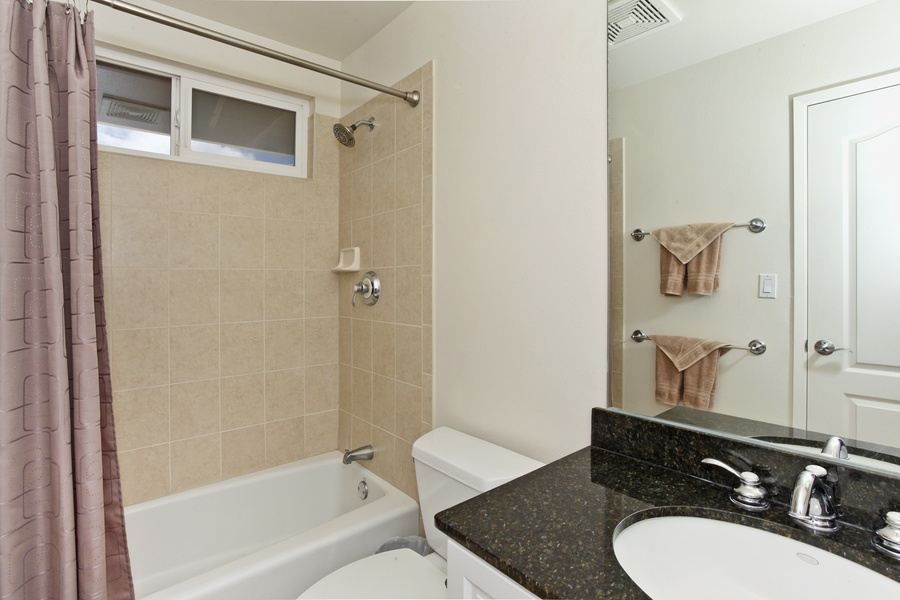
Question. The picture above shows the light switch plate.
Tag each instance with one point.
(768, 285)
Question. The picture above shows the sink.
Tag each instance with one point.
(674, 558)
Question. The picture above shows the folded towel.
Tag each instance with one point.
(672, 273)
(669, 380)
(700, 381)
(686, 370)
(703, 270)
(686, 241)
(689, 255)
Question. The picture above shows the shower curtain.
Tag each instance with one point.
(62, 532)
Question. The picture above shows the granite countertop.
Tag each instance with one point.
(552, 530)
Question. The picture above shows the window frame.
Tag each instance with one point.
(184, 81)
(189, 84)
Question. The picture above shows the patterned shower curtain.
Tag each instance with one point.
(62, 532)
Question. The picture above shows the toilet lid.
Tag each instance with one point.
(394, 574)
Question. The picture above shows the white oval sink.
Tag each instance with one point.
(680, 558)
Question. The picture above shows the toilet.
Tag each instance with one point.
(450, 467)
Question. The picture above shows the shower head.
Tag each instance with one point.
(344, 134)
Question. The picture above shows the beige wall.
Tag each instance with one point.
(520, 215)
(385, 209)
(223, 317)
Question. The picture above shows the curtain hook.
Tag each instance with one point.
(74, 4)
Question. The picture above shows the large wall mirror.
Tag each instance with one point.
(701, 130)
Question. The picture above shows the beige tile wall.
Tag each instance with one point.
(233, 344)
(617, 267)
(223, 316)
(385, 349)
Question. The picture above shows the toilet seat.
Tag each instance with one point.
(394, 574)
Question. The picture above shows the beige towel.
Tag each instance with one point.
(668, 380)
(686, 370)
(672, 274)
(690, 255)
(703, 270)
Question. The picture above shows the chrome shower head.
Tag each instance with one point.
(344, 134)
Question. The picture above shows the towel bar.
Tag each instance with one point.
(756, 347)
(755, 225)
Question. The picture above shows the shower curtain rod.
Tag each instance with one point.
(410, 97)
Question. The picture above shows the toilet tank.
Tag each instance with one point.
(452, 467)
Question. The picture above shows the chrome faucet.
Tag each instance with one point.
(813, 501)
(835, 447)
(748, 493)
(887, 538)
(364, 453)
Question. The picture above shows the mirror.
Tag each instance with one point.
(701, 131)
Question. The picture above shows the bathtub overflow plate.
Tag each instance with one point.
(363, 489)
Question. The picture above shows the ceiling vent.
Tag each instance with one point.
(630, 19)
(128, 113)
(132, 112)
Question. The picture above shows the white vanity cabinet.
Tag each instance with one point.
(470, 577)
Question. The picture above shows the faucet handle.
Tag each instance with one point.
(748, 494)
(887, 539)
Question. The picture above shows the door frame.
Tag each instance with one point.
(800, 105)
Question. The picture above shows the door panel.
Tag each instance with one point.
(878, 248)
(853, 181)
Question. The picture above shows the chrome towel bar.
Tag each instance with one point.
(754, 347)
(755, 225)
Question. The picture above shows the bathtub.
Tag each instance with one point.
(267, 535)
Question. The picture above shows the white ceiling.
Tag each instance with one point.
(333, 29)
(336, 28)
(710, 28)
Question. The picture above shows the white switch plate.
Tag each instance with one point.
(768, 285)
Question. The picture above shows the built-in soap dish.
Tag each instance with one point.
(349, 261)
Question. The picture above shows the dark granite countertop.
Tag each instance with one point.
(552, 530)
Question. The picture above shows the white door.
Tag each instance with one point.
(853, 263)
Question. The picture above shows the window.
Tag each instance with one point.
(229, 126)
(149, 108)
(134, 109)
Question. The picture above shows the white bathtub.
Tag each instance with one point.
(267, 535)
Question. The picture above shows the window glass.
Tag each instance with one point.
(229, 126)
(134, 109)
(146, 106)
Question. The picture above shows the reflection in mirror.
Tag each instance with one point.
(859, 453)
(700, 131)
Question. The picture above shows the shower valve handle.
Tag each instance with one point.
(363, 287)
(370, 288)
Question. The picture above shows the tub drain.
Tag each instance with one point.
(363, 489)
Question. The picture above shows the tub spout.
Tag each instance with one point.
(364, 453)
